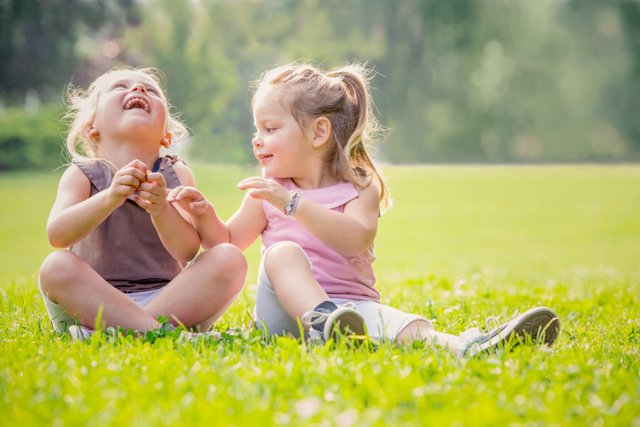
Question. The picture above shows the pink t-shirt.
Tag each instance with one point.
(349, 277)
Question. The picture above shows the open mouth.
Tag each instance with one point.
(136, 103)
(263, 156)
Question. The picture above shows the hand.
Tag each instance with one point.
(152, 194)
(266, 189)
(126, 181)
(189, 199)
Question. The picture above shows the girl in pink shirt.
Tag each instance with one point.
(316, 207)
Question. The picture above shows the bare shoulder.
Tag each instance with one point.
(74, 186)
(74, 178)
(367, 204)
(185, 174)
(370, 194)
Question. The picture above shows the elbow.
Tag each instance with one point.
(358, 247)
(189, 254)
(57, 241)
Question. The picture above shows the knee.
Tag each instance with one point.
(415, 331)
(57, 269)
(229, 265)
(284, 253)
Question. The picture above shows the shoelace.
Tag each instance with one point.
(494, 326)
(312, 317)
(492, 323)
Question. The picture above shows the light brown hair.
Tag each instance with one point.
(342, 95)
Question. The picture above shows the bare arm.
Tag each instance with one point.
(74, 214)
(177, 235)
(242, 229)
(202, 215)
(349, 233)
(247, 223)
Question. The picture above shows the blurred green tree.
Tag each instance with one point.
(457, 81)
(38, 41)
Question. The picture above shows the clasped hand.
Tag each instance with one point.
(148, 189)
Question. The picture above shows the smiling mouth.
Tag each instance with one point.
(264, 156)
(137, 103)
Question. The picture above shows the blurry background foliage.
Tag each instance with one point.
(457, 80)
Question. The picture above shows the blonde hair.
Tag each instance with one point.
(82, 105)
(342, 95)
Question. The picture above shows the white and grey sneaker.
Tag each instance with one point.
(541, 324)
(328, 321)
(197, 337)
(79, 333)
(82, 333)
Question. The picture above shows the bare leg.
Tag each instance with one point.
(69, 281)
(421, 330)
(290, 274)
(201, 293)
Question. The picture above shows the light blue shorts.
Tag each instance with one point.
(382, 321)
(61, 320)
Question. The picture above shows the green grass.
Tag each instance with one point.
(460, 244)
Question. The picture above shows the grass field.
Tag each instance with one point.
(460, 244)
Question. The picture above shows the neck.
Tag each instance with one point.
(121, 153)
(311, 181)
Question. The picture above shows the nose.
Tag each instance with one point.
(138, 87)
(256, 141)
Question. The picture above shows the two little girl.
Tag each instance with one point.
(315, 207)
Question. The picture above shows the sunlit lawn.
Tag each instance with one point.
(459, 245)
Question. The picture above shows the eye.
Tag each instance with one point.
(118, 86)
(152, 90)
(270, 130)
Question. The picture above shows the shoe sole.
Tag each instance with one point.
(541, 324)
(343, 322)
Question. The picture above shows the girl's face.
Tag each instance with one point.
(130, 104)
(280, 144)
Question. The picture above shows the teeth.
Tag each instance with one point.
(141, 101)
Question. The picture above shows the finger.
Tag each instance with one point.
(132, 172)
(183, 193)
(254, 183)
(173, 193)
(199, 205)
(127, 180)
(144, 204)
(157, 178)
(137, 164)
(249, 180)
(258, 193)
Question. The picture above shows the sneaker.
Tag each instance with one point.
(539, 323)
(82, 333)
(79, 333)
(328, 321)
(195, 337)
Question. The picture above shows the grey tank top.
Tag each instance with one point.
(125, 249)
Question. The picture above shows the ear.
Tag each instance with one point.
(166, 140)
(322, 131)
(91, 132)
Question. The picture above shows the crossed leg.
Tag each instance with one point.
(196, 297)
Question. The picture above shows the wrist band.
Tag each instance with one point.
(293, 204)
